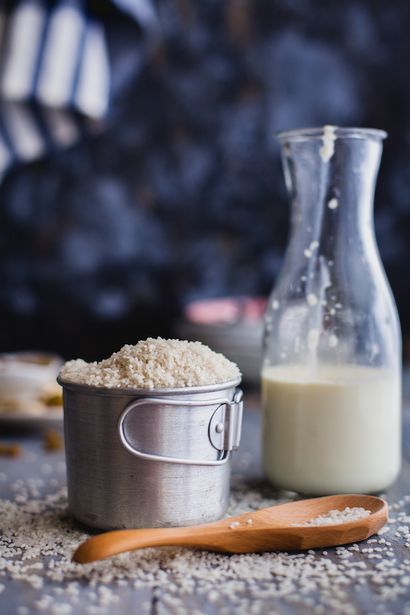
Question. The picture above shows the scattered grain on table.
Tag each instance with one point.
(38, 539)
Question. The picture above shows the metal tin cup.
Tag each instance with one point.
(150, 458)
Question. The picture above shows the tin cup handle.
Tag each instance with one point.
(231, 421)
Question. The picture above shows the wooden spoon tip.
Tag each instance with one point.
(82, 554)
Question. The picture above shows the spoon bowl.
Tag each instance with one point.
(278, 528)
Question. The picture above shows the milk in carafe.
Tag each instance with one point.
(336, 432)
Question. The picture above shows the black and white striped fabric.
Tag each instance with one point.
(54, 74)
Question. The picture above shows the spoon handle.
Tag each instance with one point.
(120, 541)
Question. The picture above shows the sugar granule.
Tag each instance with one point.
(154, 363)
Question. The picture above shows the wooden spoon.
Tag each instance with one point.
(269, 529)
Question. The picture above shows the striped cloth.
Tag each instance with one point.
(54, 74)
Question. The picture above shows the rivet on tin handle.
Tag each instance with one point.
(225, 424)
(228, 415)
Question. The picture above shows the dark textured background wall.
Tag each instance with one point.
(181, 195)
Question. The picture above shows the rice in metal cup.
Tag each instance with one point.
(150, 457)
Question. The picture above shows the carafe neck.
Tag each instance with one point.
(331, 175)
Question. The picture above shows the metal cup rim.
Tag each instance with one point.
(132, 392)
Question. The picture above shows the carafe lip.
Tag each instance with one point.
(345, 132)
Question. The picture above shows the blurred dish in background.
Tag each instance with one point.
(29, 393)
(231, 325)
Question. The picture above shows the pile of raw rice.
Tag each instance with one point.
(154, 363)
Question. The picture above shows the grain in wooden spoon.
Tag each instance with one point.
(278, 528)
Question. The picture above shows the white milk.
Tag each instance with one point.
(338, 431)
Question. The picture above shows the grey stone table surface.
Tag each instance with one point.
(363, 596)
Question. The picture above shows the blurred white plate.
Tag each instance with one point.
(27, 382)
(25, 374)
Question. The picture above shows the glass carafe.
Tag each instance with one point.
(331, 376)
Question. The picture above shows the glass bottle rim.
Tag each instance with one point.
(345, 132)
